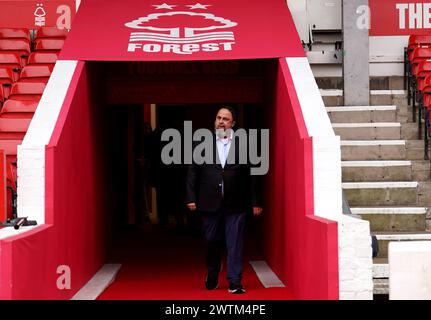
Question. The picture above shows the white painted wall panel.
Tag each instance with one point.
(31, 153)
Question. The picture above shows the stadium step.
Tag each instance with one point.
(368, 131)
(334, 97)
(384, 238)
(363, 171)
(385, 170)
(381, 276)
(373, 150)
(389, 113)
(362, 114)
(376, 83)
(381, 193)
(393, 218)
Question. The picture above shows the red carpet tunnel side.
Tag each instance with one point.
(86, 172)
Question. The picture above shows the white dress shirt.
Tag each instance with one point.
(223, 147)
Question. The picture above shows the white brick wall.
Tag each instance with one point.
(354, 241)
(326, 146)
(355, 259)
(327, 177)
(31, 182)
(31, 154)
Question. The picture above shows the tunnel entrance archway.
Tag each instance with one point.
(147, 92)
(129, 119)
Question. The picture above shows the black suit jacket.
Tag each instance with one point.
(204, 185)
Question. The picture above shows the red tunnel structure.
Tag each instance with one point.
(131, 52)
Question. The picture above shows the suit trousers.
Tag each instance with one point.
(223, 228)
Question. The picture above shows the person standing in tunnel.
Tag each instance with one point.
(223, 192)
(168, 179)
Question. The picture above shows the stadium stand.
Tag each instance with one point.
(25, 67)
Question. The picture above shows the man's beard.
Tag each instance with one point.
(223, 133)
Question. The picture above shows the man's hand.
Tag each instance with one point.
(257, 211)
(191, 206)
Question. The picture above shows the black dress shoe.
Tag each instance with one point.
(236, 288)
(211, 284)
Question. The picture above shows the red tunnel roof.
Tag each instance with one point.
(137, 30)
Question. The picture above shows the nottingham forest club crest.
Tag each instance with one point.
(181, 29)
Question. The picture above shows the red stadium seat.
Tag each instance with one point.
(11, 135)
(10, 146)
(10, 152)
(427, 102)
(18, 109)
(35, 73)
(17, 33)
(50, 32)
(2, 97)
(27, 91)
(6, 80)
(45, 58)
(15, 45)
(426, 92)
(11, 60)
(6, 75)
(14, 106)
(419, 55)
(416, 41)
(13, 129)
(14, 125)
(43, 80)
(23, 57)
(19, 46)
(411, 49)
(427, 86)
(46, 44)
(420, 39)
(424, 71)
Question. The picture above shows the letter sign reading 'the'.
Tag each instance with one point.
(414, 15)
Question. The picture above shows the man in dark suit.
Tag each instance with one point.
(222, 192)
